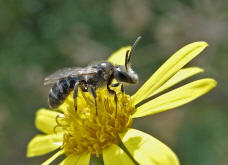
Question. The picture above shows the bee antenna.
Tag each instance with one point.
(126, 59)
(133, 47)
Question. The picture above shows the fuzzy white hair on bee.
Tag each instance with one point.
(126, 73)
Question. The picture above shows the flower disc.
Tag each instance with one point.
(91, 129)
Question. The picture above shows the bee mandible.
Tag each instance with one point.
(89, 79)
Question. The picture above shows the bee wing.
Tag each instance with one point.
(66, 72)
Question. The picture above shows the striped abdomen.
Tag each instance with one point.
(60, 91)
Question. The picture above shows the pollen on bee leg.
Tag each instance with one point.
(86, 131)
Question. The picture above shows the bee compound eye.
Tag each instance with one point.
(121, 76)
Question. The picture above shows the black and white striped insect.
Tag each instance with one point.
(89, 78)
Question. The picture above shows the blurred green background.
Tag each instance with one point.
(38, 37)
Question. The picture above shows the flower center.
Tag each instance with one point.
(86, 130)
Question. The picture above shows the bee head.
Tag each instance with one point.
(126, 73)
(123, 75)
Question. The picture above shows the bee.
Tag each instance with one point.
(89, 79)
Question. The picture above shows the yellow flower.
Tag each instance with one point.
(78, 135)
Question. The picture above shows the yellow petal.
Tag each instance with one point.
(114, 155)
(178, 77)
(81, 159)
(46, 121)
(118, 57)
(51, 159)
(168, 69)
(42, 144)
(147, 150)
(176, 97)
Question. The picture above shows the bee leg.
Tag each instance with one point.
(122, 88)
(112, 91)
(115, 96)
(115, 84)
(92, 90)
(75, 94)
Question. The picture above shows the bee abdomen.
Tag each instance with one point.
(59, 92)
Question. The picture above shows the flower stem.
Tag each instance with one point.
(97, 160)
(127, 152)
